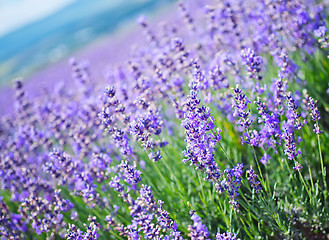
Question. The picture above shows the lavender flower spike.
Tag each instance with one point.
(253, 180)
(197, 230)
(227, 236)
(315, 114)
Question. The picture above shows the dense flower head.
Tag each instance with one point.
(293, 114)
(91, 231)
(253, 62)
(197, 230)
(232, 183)
(269, 124)
(323, 38)
(130, 174)
(253, 180)
(200, 136)
(290, 147)
(240, 108)
(226, 236)
(320, 32)
(315, 114)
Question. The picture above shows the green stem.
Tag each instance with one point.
(323, 170)
(260, 171)
(306, 187)
(231, 218)
(228, 158)
(201, 184)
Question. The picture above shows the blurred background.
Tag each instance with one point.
(36, 34)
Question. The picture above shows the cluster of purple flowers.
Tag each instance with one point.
(200, 135)
(199, 231)
(73, 233)
(323, 38)
(149, 219)
(315, 114)
(86, 139)
(253, 180)
(232, 183)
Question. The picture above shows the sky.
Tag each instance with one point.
(17, 13)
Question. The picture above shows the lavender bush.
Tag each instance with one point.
(214, 128)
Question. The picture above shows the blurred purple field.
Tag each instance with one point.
(104, 48)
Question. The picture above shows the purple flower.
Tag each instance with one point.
(130, 174)
(232, 183)
(264, 159)
(74, 233)
(253, 180)
(240, 108)
(197, 230)
(200, 135)
(290, 147)
(226, 236)
(292, 112)
(315, 114)
(253, 63)
(320, 32)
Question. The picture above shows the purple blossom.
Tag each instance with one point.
(200, 135)
(227, 236)
(253, 63)
(73, 233)
(197, 230)
(264, 159)
(320, 32)
(290, 147)
(269, 128)
(292, 112)
(253, 180)
(232, 183)
(315, 114)
(240, 110)
(130, 175)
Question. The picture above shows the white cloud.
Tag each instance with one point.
(17, 13)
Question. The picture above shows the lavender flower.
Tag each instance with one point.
(227, 236)
(197, 229)
(292, 112)
(240, 110)
(290, 147)
(253, 63)
(134, 109)
(321, 34)
(253, 180)
(232, 183)
(200, 137)
(73, 233)
(269, 129)
(143, 210)
(264, 159)
(315, 114)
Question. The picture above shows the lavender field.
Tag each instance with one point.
(213, 126)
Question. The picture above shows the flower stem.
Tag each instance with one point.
(323, 169)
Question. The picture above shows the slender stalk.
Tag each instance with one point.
(306, 187)
(323, 170)
(231, 212)
(260, 171)
(228, 158)
(201, 184)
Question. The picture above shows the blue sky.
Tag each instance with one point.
(17, 13)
